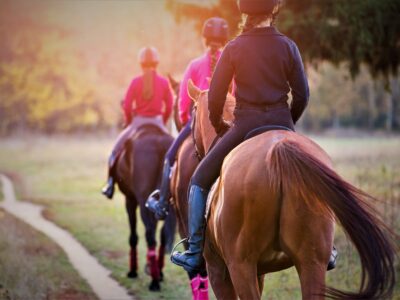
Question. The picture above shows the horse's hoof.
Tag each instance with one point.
(154, 286)
(161, 276)
(132, 274)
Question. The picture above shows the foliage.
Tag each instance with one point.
(358, 31)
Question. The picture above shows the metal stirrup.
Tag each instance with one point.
(180, 242)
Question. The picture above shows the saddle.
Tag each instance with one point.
(251, 134)
(263, 129)
(146, 129)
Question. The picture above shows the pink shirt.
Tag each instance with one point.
(199, 70)
(160, 104)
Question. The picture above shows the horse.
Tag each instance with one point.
(274, 206)
(185, 164)
(138, 173)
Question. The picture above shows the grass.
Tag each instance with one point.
(33, 267)
(1, 192)
(66, 174)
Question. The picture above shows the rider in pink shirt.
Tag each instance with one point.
(199, 71)
(159, 105)
(147, 101)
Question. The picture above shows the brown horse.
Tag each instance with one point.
(274, 206)
(137, 173)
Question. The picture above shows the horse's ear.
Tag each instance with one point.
(193, 91)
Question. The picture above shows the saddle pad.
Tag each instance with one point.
(263, 129)
(210, 197)
(147, 128)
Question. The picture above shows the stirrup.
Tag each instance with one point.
(180, 242)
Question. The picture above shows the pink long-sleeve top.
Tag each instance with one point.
(199, 70)
(160, 104)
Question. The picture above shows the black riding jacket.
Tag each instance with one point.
(266, 65)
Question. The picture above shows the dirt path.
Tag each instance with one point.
(88, 267)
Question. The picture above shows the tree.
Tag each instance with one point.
(356, 32)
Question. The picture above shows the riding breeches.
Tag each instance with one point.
(173, 149)
(245, 120)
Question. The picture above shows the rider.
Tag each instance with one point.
(199, 70)
(147, 101)
(266, 66)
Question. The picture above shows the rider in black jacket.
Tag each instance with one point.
(265, 65)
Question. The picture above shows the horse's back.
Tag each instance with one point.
(248, 201)
(139, 166)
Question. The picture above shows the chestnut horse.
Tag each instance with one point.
(137, 173)
(274, 206)
(185, 164)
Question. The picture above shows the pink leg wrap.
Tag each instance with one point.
(152, 262)
(195, 284)
(203, 289)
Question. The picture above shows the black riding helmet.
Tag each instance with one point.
(257, 7)
(216, 29)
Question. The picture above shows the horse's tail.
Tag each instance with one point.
(302, 174)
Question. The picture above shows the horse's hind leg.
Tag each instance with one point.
(167, 236)
(245, 280)
(131, 206)
(307, 237)
(150, 224)
(219, 276)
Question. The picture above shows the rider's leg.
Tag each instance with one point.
(204, 176)
(108, 189)
(158, 201)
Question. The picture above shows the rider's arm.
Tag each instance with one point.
(298, 84)
(168, 101)
(128, 102)
(219, 86)
(184, 99)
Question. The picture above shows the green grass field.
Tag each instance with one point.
(33, 267)
(66, 173)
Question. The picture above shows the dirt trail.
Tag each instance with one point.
(88, 267)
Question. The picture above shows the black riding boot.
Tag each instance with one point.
(108, 189)
(192, 259)
(158, 201)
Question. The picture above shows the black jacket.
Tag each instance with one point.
(266, 65)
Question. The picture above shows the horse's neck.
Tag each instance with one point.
(208, 133)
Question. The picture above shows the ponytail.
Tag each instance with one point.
(213, 62)
(148, 84)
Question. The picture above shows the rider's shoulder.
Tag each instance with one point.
(196, 62)
(162, 78)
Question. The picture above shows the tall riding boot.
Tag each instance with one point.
(108, 190)
(158, 201)
(192, 259)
